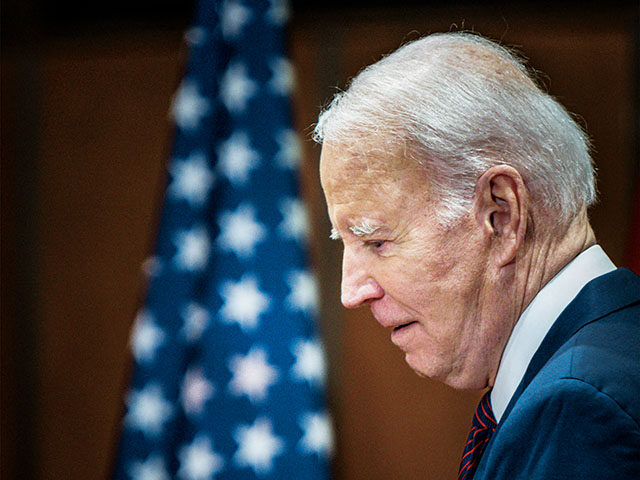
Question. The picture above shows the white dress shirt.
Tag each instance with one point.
(535, 322)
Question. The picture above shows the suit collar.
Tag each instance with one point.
(538, 318)
(600, 297)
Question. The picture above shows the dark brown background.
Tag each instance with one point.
(85, 135)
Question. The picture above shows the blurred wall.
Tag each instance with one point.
(84, 144)
(98, 136)
(391, 423)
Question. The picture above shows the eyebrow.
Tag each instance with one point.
(360, 229)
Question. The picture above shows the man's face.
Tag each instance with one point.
(423, 282)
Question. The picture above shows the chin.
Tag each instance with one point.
(459, 383)
(445, 374)
(424, 369)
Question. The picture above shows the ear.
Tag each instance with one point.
(501, 205)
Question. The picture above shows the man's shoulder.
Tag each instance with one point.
(603, 356)
(564, 428)
(606, 354)
(596, 340)
(580, 411)
(580, 415)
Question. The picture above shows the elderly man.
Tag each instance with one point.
(460, 192)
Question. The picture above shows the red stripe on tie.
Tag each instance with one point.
(483, 426)
(473, 433)
(467, 466)
(488, 415)
(480, 421)
(473, 449)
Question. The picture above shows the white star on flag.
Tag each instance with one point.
(146, 337)
(236, 158)
(236, 88)
(233, 18)
(195, 36)
(252, 375)
(229, 364)
(153, 468)
(303, 294)
(318, 434)
(257, 446)
(198, 461)
(196, 390)
(193, 249)
(196, 320)
(289, 149)
(148, 410)
(191, 179)
(295, 221)
(243, 302)
(189, 106)
(310, 362)
(278, 12)
(240, 232)
(151, 266)
(283, 79)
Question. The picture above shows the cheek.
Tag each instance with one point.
(444, 296)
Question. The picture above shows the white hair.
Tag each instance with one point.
(459, 104)
(360, 229)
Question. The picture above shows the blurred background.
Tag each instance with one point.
(85, 139)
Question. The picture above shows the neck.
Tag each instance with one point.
(509, 289)
(547, 254)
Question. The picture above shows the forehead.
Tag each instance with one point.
(342, 173)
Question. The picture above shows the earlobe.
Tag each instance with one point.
(501, 210)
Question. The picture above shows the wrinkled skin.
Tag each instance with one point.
(441, 291)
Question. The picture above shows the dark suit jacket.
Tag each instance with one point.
(576, 413)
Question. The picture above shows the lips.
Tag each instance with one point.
(403, 335)
(390, 322)
(391, 318)
(404, 325)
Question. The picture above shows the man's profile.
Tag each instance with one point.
(460, 191)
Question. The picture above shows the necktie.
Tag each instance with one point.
(482, 427)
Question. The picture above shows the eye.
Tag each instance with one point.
(375, 243)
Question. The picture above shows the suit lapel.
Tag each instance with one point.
(601, 296)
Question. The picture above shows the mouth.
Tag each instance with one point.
(404, 325)
(403, 335)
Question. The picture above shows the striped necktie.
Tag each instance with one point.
(482, 427)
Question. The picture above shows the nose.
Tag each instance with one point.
(358, 286)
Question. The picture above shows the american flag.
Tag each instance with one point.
(229, 371)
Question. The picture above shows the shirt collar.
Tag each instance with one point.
(535, 322)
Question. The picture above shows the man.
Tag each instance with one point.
(460, 192)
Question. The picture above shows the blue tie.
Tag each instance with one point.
(482, 427)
